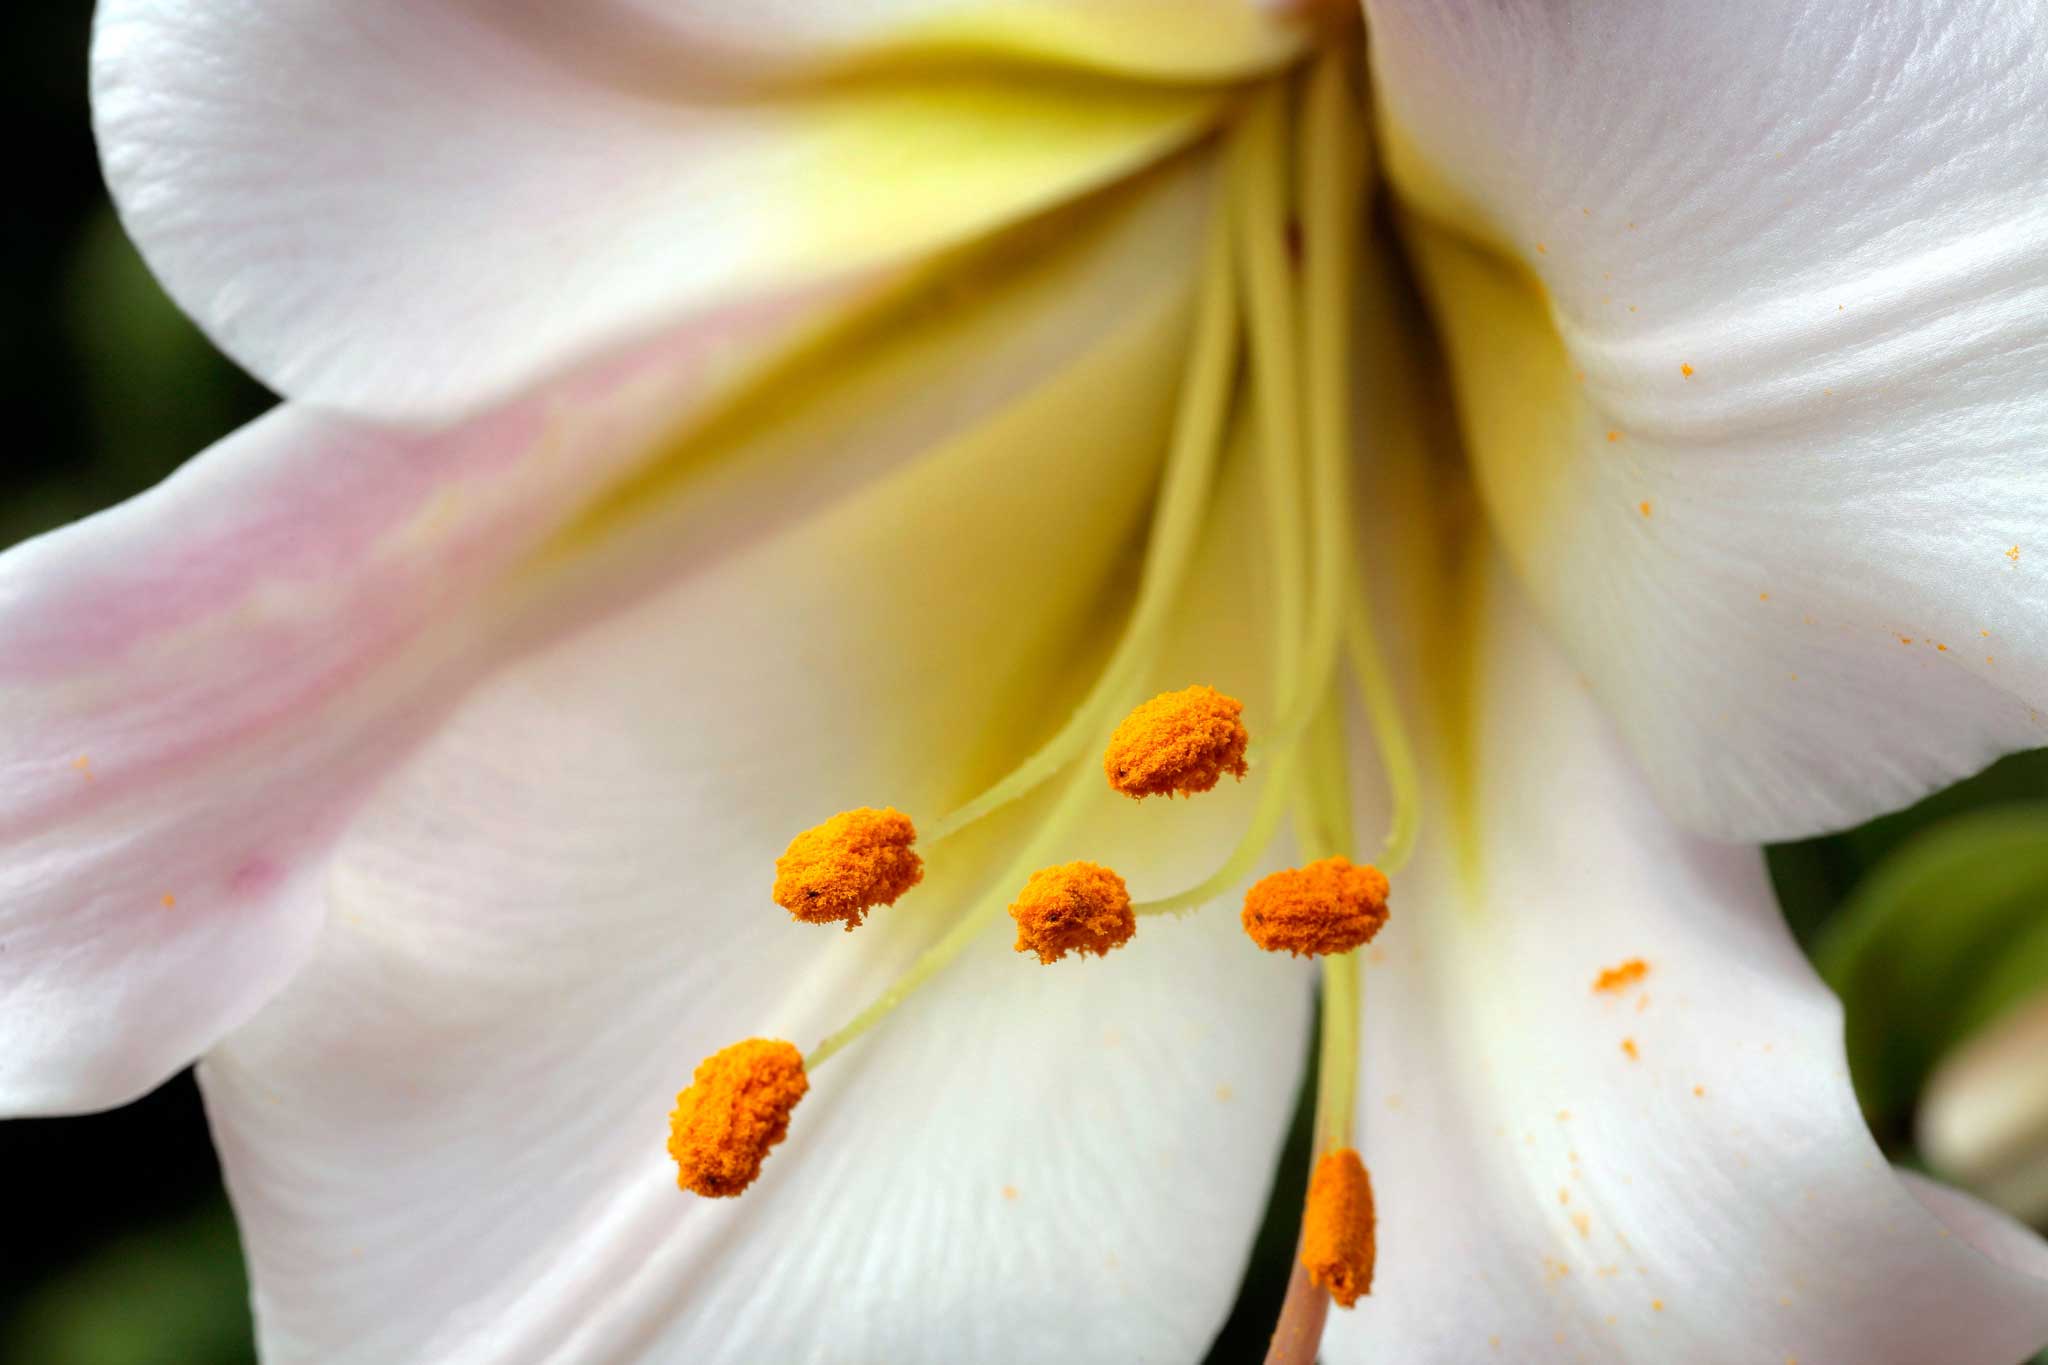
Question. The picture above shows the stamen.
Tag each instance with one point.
(1338, 1227)
(1184, 495)
(842, 869)
(1075, 907)
(1178, 742)
(1329, 906)
(735, 1108)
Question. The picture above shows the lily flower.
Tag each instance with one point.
(703, 420)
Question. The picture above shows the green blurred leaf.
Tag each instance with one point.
(176, 1295)
(1937, 941)
(156, 390)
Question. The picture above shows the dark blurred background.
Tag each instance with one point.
(117, 1247)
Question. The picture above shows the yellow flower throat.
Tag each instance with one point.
(1275, 300)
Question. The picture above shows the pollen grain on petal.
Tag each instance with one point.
(734, 1110)
(1618, 978)
(1073, 908)
(1178, 743)
(1337, 1227)
(842, 869)
(1329, 906)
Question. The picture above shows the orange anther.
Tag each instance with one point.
(842, 869)
(735, 1108)
(1178, 742)
(1337, 1227)
(1329, 906)
(1073, 908)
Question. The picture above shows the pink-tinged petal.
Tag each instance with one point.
(405, 210)
(1747, 303)
(445, 1142)
(202, 685)
(199, 686)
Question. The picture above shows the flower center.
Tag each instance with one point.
(1276, 291)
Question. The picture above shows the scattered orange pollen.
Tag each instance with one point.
(1542, 250)
(1073, 908)
(1763, 597)
(1905, 639)
(1942, 648)
(1337, 1227)
(1644, 507)
(1616, 979)
(84, 765)
(1628, 1045)
(1699, 1092)
(1614, 436)
(1657, 1305)
(1178, 742)
(735, 1108)
(1009, 1191)
(170, 901)
(1685, 370)
(1329, 906)
(2013, 554)
(842, 869)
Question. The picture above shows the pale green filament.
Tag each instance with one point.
(1176, 528)
(1331, 180)
(1258, 178)
(1326, 833)
(1397, 755)
(1337, 1061)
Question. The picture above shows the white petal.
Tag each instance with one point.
(1185, 40)
(1809, 577)
(201, 686)
(1673, 1169)
(404, 209)
(445, 1143)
